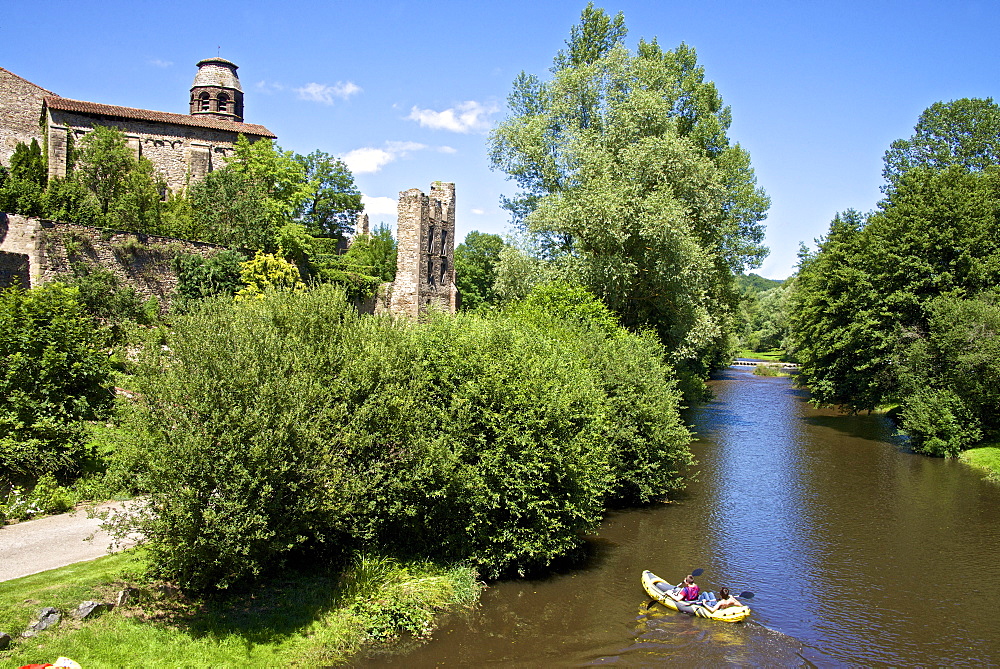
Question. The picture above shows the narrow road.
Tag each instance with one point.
(55, 541)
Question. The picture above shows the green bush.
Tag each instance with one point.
(939, 423)
(648, 439)
(199, 277)
(54, 374)
(47, 496)
(103, 295)
(289, 422)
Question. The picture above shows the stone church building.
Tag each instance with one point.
(182, 147)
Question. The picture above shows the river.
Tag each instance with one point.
(858, 552)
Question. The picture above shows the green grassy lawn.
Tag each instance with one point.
(986, 458)
(775, 355)
(301, 619)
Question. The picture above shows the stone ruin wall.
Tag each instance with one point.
(180, 153)
(21, 113)
(425, 261)
(35, 251)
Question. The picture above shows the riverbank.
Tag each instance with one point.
(985, 458)
(308, 617)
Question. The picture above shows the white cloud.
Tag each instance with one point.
(402, 148)
(466, 117)
(447, 149)
(269, 86)
(325, 93)
(156, 62)
(372, 159)
(478, 212)
(379, 206)
(362, 161)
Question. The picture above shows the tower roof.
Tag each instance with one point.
(217, 72)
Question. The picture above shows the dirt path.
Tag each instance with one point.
(55, 541)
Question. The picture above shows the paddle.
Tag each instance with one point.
(746, 594)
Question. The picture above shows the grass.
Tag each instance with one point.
(768, 370)
(985, 458)
(301, 619)
(774, 355)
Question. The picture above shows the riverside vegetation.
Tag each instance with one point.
(288, 430)
(277, 436)
(900, 306)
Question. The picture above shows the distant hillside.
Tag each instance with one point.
(752, 283)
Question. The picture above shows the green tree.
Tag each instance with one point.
(871, 281)
(22, 186)
(949, 374)
(103, 165)
(28, 163)
(54, 374)
(126, 192)
(333, 201)
(767, 322)
(963, 132)
(476, 262)
(229, 208)
(629, 181)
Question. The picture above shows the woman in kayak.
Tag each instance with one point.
(688, 592)
(725, 601)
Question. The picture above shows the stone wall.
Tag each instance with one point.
(425, 261)
(20, 113)
(179, 152)
(144, 262)
(13, 269)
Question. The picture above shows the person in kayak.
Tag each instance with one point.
(725, 601)
(686, 593)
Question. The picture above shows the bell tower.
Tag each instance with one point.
(216, 90)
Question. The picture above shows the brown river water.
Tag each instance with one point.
(858, 552)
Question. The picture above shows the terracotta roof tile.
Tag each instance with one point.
(65, 104)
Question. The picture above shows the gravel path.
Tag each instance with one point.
(55, 541)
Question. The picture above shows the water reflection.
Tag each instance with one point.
(860, 554)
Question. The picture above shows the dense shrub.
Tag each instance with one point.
(199, 277)
(289, 422)
(648, 440)
(53, 375)
(105, 297)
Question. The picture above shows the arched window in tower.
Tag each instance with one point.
(224, 103)
(205, 102)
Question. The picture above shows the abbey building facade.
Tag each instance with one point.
(182, 147)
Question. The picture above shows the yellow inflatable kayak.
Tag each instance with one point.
(657, 588)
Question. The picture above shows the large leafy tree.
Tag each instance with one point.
(630, 183)
(476, 262)
(332, 201)
(109, 186)
(963, 132)
(867, 324)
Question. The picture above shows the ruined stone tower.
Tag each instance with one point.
(216, 90)
(425, 235)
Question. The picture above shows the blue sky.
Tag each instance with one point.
(406, 91)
